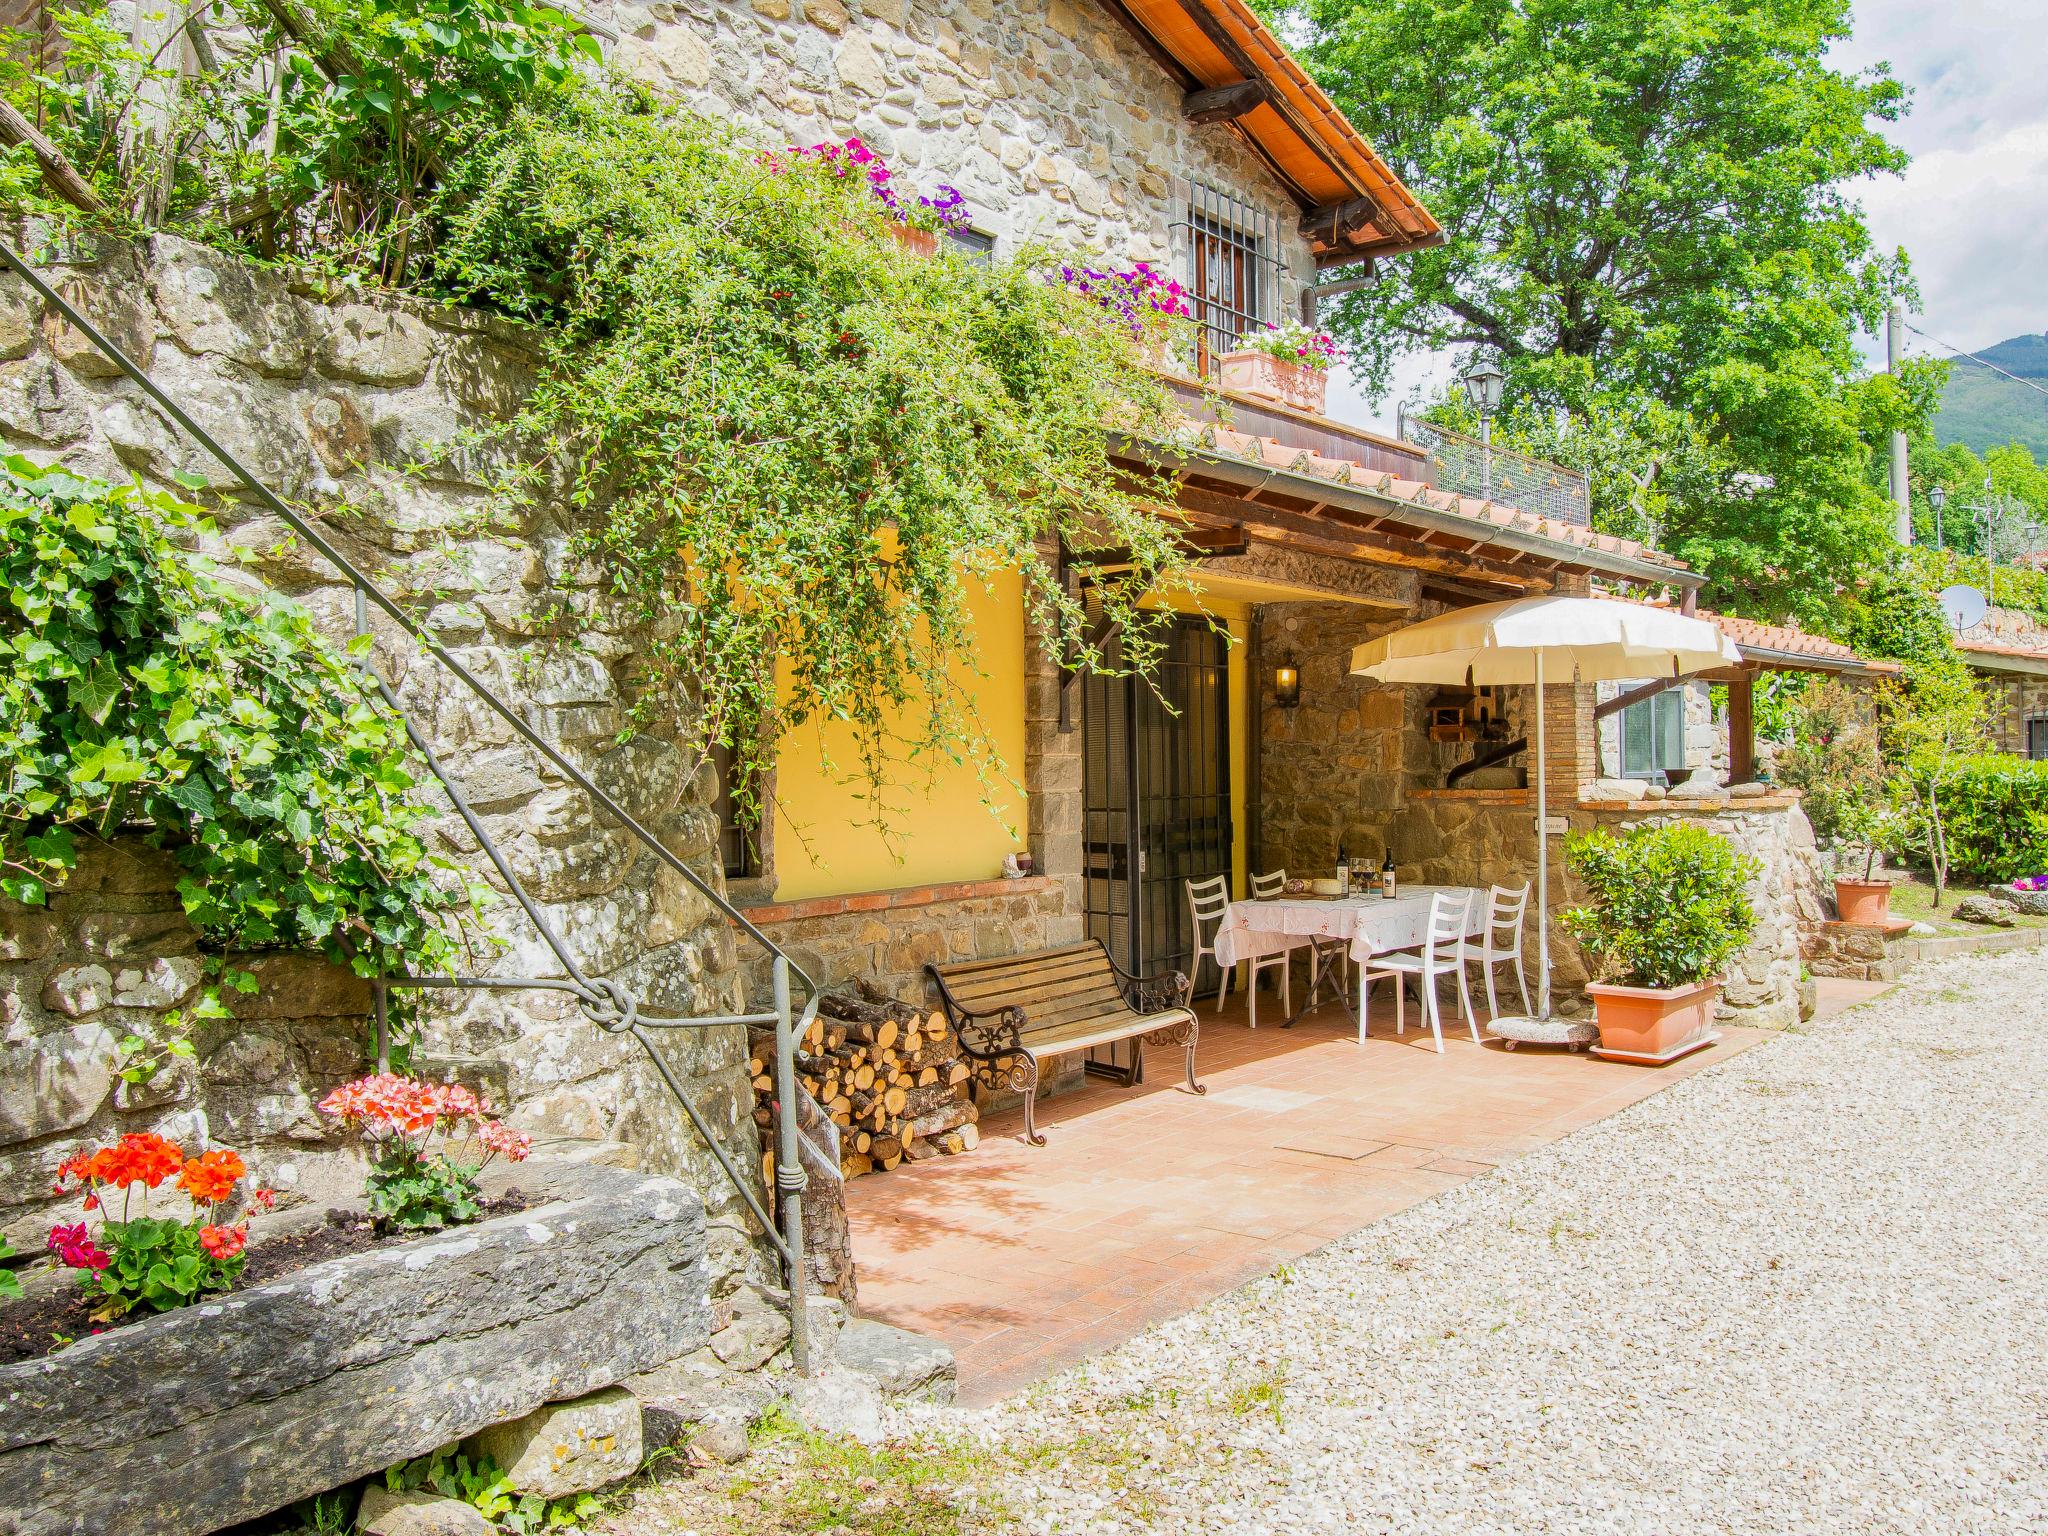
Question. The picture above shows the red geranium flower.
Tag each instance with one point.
(223, 1242)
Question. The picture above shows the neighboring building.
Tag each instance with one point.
(2009, 654)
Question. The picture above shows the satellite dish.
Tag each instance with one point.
(1965, 607)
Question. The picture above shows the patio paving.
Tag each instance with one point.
(1148, 1201)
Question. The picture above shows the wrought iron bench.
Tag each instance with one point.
(1014, 1012)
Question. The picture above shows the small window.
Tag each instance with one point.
(739, 842)
(2037, 736)
(976, 246)
(1233, 269)
(1653, 735)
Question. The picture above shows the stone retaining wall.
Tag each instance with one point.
(108, 956)
(373, 415)
(889, 937)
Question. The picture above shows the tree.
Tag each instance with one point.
(1649, 224)
(1932, 722)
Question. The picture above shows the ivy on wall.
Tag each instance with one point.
(140, 691)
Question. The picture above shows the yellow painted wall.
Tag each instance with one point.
(943, 827)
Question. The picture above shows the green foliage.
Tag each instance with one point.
(798, 447)
(1894, 615)
(421, 1194)
(158, 1263)
(792, 449)
(1932, 721)
(1665, 905)
(10, 1283)
(1651, 227)
(1834, 758)
(141, 691)
(481, 1484)
(364, 124)
(1995, 814)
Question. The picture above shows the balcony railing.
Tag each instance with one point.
(1472, 468)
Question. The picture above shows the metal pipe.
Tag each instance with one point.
(790, 1178)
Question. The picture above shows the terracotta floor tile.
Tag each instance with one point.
(1149, 1200)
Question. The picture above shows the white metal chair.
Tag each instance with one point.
(1208, 900)
(1442, 954)
(1502, 942)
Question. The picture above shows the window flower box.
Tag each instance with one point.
(1266, 377)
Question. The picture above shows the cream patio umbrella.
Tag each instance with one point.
(1534, 639)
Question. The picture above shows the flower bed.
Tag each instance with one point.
(200, 1417)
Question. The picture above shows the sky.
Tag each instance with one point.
(1971, 211)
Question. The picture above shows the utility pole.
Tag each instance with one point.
(1902, 491)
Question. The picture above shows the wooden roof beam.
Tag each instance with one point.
(1225, 103)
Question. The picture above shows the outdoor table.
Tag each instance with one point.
(1368, 925)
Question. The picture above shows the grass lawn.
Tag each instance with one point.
(1913, 899)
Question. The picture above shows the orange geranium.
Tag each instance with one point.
(211, 1177)
(138, 1158)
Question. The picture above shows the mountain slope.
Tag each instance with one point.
(1980, 408)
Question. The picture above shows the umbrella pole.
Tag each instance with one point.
(1542, 857)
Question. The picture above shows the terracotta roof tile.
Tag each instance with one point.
(1273, 454)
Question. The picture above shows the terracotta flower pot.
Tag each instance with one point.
(1654, 1024)
(1868, 902)
(1272, 378)
(919, 242)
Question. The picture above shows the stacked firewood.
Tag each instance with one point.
(888, 1073)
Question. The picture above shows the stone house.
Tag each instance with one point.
(2009, 653)
(1178, 133)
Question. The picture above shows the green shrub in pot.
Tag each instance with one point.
(1664, 905)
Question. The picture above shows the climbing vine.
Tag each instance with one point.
(792, 445)
(139, 691)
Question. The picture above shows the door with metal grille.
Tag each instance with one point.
(1156, 797)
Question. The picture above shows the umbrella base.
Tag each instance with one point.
(1513, 1029)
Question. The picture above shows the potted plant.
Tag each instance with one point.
(1664, 911)
(1866, 898)
(1288, 363)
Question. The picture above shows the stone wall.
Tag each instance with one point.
(366, 412)
(1048, 116)
(1353, 762)
(1789, 893)
(890, 936)
(109, 954)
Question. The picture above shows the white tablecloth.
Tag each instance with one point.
(1368, 925)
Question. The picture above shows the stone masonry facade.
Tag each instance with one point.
(1354, 762)
(370, 413)
(1049, 118)
(108, 955)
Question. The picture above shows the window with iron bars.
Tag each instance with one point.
(1233, 270)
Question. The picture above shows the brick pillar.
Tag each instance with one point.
(1052, 779)
(1571, 748)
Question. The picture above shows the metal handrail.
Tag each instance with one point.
(603, 1001)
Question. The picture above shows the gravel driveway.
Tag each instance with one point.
(1801, 1291)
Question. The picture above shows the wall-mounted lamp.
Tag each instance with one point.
(1286, 683)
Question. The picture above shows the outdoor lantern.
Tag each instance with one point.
(1482, 388)
(1286, 683)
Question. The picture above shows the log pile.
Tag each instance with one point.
(888, 1073)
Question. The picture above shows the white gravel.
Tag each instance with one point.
(1801, 1291)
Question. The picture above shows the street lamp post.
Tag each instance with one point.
(1482, 388)
(1937, 498)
